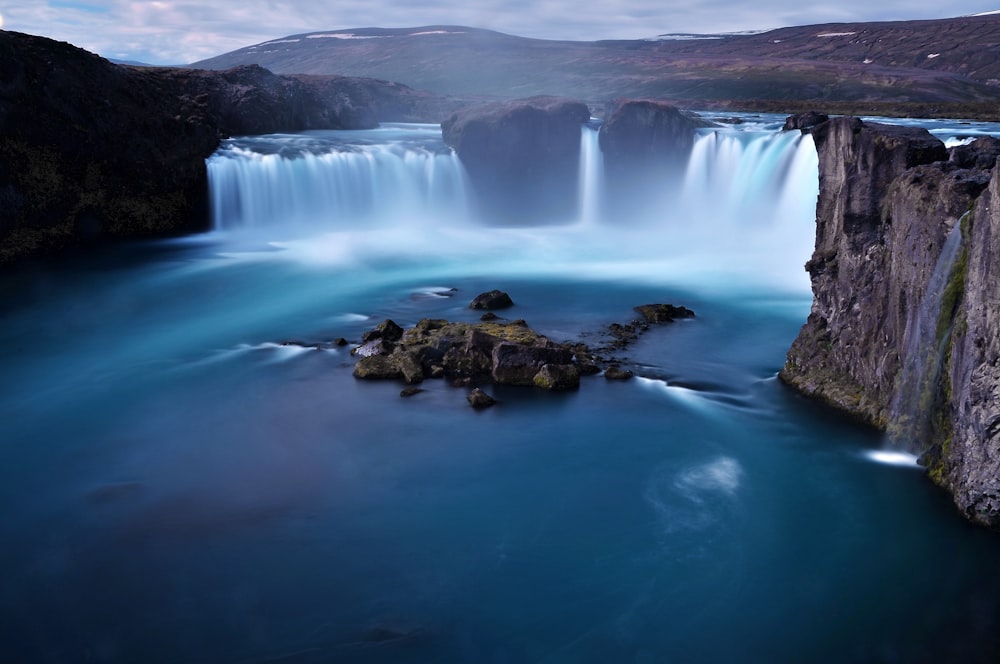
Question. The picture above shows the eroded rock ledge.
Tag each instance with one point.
(889, 197)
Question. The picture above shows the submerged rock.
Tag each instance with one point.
(663, 313)
(615, 372)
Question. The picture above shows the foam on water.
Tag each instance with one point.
(891, 458)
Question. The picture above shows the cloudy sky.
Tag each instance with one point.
(169, 32)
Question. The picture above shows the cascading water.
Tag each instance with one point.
(324, 181)
(924, 345)
(744, 205)
(591, 181)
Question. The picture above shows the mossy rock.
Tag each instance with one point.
(558, 377)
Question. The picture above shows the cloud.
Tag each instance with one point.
(169, 32)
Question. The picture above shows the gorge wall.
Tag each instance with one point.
(91, 149)
(889, 197)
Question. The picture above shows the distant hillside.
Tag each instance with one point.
(951, 61)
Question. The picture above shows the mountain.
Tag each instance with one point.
(949, 63)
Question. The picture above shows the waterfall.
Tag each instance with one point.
(591, 182)
(925, 342)
(326, 181)
(744, 204)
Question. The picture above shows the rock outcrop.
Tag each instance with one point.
(889, 198)
(91, 149)
(646, 145)
(522, 156)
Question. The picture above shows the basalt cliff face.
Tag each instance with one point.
(889, 198)
(90, 149)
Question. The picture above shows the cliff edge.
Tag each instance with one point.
(904, 330)
(90, 149)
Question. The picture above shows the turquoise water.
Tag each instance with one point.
(176, 486)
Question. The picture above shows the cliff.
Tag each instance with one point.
(522, 156)
(902, 333)
(89, 149)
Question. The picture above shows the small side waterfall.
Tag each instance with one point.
(591, 182)
(928, 332)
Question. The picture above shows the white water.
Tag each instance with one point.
(745, 208)
(591, 176)
(334, 180)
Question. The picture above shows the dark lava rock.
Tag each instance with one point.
(645, 143)
(504, 353)
(981, 153)
(517, 364)
(557, 377)
(615, 372)
(90, 149)
(479, 399)
(803, 121)
(522, 156)
(387, 329)
(663, 313)
(494, 299)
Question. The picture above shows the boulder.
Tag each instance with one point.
(479, 399)
(518, 364)
(615, 372)
(557, 377)
(522, 156)
(490, 301)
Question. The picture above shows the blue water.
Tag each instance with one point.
(177, 486)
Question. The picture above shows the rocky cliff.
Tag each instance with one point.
(646, 144)
(885, 291)
(522, 156)
(90, 149)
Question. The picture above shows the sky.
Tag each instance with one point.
(168, 32)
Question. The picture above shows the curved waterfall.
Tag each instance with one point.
(746, 201)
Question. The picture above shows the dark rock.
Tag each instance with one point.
(645, 144)
(387, 330)
(981, 153)
(522, 156)
(90, 149)
(410, 391)
(663, 313)
(489, 316)
(377, 367)
(615, 372)
(803, 121)
(491, 300)
(517, 364)
(340, 341)
(479, 399)
(888, 200)
(557, 377)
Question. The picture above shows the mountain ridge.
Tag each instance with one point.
(937, 61)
